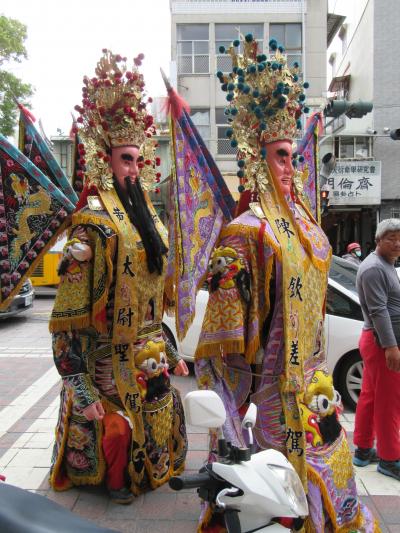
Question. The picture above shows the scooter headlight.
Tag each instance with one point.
(294, 489)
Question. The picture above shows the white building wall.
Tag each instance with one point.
(357, 59)
(373, 61)
(387, 98)
(203, 90)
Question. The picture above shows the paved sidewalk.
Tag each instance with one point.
(29, 388)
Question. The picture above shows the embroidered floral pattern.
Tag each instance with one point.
(78, 437)
(77, 460)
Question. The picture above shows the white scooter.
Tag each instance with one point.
(255, 492)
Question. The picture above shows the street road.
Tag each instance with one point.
(29, 388)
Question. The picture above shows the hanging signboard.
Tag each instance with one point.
(355, 183)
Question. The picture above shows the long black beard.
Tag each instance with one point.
(136, 207)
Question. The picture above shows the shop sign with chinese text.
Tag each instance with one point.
(355, 183)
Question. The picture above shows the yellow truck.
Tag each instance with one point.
(45, 273)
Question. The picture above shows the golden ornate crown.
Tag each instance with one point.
(266, 99)
(113, 110)
(113, 113)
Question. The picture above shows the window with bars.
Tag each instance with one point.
(395, 212)
(193, 49)
(226, 33)
(201, 119)
(224, 143)
(64, 152)
(289, 35)
(348, 147)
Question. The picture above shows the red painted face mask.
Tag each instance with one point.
(124, 161)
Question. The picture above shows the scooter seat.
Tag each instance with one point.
(26, 512)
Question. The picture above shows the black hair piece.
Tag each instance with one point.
(157, 387)
(136, 207)
(330, 428)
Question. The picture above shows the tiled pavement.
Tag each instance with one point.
(28, 409)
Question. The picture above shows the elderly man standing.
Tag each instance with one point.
(378, 409)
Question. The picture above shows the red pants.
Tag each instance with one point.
(116, 439)
(378, 408)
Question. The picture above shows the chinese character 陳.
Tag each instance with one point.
(283, 227)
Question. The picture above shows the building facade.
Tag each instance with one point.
(63, 150)
(363, 64)
(201, 27)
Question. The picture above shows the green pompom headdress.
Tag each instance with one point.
(266, 99)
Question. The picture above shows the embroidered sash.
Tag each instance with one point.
(125, 331)
(303, 288)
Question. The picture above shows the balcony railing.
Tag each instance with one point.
(237, 6)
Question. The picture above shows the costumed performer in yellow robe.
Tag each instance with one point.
(120, 418)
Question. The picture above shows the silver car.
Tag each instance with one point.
(21, 302)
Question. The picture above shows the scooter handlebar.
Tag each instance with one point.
(193, 481)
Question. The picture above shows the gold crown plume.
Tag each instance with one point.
(113, 113)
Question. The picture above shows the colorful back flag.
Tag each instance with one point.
(35, 148)
(308, 147)
(33, 212)
(202, 203)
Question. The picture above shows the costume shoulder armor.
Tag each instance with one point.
(95, 215)
(249, 218)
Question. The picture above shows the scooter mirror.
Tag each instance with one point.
(250, 417)
(204, 408)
